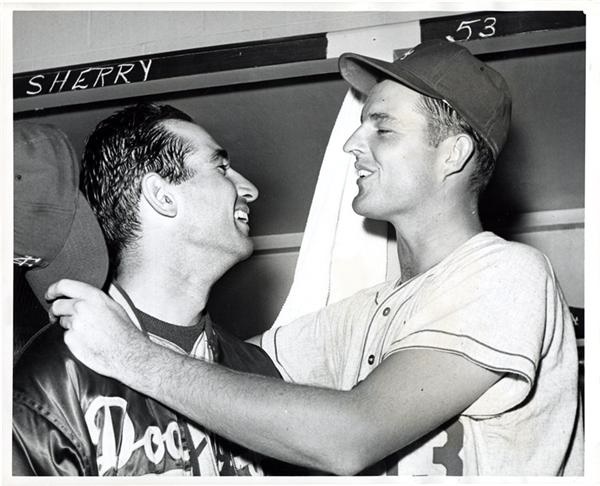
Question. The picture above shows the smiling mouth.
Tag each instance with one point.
(241, 216)
(362, 173)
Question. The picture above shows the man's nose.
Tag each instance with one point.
(244, 187)
(354, 144)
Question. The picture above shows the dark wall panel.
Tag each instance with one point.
(276, 134)
(248, 298)
(543, 164)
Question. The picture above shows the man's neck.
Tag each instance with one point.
(424, 243)
(175, 294)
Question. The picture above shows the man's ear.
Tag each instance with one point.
(156, 192)
(460, 148)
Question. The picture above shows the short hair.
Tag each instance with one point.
(443, 121)
(120, 151)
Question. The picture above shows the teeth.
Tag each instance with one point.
(364, 173)
(241, 215)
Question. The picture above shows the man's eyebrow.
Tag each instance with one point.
(219, 154)
(381, 116)
(377, 116)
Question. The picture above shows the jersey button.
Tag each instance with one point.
(386, 311)
(371, 359)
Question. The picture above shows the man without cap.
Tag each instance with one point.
(175, 216)
(466, 365)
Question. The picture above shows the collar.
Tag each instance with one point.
(121, 297)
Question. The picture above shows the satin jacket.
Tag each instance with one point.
(69, 420)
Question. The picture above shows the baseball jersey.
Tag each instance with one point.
(493, 302)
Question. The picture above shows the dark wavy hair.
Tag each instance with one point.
(120, 151)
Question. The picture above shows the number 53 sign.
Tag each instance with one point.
(482, 25)
(477, 27)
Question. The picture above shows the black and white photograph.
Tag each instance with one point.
(300, 242)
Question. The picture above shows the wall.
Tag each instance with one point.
(44, 39)
(258, 287)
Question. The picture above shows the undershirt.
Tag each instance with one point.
(182, 336)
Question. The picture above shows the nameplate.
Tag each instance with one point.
(170, 64)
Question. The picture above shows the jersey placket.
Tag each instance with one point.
(381, 321)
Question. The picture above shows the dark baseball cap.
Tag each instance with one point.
(446, 71)
(56, 234)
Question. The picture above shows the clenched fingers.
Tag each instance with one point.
(72, 289)
(66, 322)
(67, 311)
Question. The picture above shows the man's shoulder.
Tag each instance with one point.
(46, 346)
(363, 296)
(44, 363)
(46, 405)
(489, 249)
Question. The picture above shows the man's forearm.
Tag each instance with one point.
(406, 396)
(310, 426)
(315, 427)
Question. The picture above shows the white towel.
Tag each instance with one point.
(338, 255)
(333, 262)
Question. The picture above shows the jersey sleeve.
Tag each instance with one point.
(298, 350)
(41, 446)
(323, 348)
(493, 312)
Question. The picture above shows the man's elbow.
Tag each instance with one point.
(346, 461)
(352, 444)
(347, 468)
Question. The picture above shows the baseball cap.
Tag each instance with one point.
(447, 71)
(56, 234)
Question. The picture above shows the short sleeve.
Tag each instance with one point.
(325, 348)
(492, 311)
(298, 350)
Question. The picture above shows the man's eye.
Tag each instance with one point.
(223, 168)
(383, 131)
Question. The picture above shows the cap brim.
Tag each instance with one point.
(83, 257)
(364, 72)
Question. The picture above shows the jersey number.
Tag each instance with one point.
(447, 455)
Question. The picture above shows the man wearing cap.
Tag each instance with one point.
(56, 235)
(466, 365)
(175, 216)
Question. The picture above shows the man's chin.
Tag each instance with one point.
(246, 248)
(360, 207)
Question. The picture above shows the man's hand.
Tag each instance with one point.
(98, 331)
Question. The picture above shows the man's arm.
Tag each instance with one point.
(410, 394)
